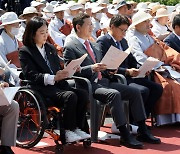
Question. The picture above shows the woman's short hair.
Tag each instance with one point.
(31, 28)
(118, 20)
(176, 21)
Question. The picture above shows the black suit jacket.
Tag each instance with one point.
(74, 50)
(34, 67)
(173, 41)
(104, 44)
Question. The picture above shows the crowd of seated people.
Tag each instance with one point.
(47, 31)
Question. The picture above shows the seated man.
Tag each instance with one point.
(10, 116)
(143, 46)
(107, 92)
(173, 40)
(150, 90)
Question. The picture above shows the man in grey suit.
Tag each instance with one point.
(105, 91)
(10, 116)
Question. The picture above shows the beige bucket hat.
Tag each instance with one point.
(162, 12)
(139, 17)
(30, 10)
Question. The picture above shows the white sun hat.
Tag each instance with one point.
(10, 18)
(178, 9)
(97, 9)
(142, 6)
(76, 6)
(59, 8)
(29, 10)
(103, 1)
(88, 6)
(162, 13)
(35, 3)
(48, 8)
(113, 11)
(139, 17)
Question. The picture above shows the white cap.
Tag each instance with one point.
(9, 18)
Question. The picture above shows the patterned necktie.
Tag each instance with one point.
(92, 56)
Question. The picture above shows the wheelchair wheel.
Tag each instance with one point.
(32, 118)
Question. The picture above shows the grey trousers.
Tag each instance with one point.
(9, 123)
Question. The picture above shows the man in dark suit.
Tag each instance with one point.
(173, 39)
(105, 91)
(150, 90)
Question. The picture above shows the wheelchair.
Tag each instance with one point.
(35, 118)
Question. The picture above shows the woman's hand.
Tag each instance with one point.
(4, 84)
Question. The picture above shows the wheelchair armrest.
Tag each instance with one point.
(121, 78)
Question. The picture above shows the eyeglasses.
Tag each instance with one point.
(122, 30)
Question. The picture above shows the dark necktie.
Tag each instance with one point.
(92, 56)
(118, 45)
(47, 62)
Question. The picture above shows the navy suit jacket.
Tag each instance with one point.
(173, 41)
(104, 44)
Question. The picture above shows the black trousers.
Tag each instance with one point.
(150, 91)
(74, 103)
(112, 93)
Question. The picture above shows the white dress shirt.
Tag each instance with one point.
(48, 78)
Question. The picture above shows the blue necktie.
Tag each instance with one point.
(47, 62)
(118, 45)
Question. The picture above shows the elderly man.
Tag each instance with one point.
(143, 46)
(173, 40)
(103, 90)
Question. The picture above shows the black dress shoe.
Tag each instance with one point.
(148, 137)
(131, 142)
(5, 150)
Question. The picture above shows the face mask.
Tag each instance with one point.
(98, 16)
(14, 31)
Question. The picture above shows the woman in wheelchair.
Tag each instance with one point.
(40, 65)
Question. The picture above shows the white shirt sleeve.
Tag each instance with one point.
(49, 79)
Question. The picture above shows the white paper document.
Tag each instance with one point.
(172, 72)
(114, 57)
(72, 66)
(148, 65)
(7, 95)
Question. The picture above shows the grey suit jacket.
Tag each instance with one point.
(75, 49)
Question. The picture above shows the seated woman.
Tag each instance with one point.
(40, 64)
(143, 46)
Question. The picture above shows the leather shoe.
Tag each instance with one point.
(5, 150)
(148, 137)
(131, 142)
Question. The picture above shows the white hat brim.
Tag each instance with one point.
(165, 15)
(12, 22)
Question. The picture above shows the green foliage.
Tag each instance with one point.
(165, 2)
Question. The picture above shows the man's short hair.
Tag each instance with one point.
(118, 20)
(79, 20)
(176, 21)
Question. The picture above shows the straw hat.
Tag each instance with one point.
(161, 13)
(10, 18)
(139, 17)
(29, 10)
